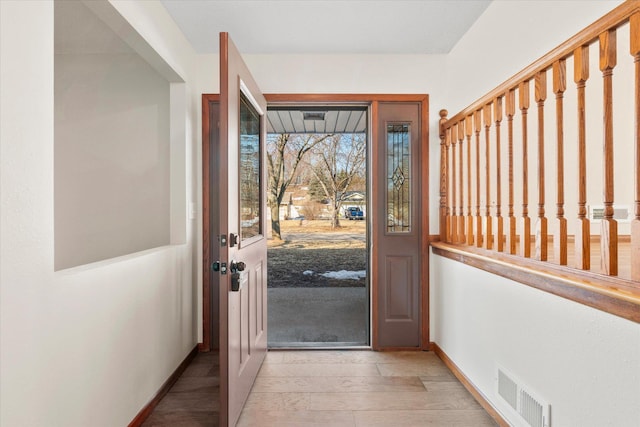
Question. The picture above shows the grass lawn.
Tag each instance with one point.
(312, 246)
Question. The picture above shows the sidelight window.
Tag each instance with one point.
(398, 178)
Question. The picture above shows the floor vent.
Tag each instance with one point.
(508, 389)
(534, 411)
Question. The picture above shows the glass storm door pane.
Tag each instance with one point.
(250, 170)
(398, 178)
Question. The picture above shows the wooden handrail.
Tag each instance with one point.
(486, 115)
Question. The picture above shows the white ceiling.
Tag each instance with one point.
(336, 120)
(327, 26)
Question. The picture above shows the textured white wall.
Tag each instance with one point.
(89, 345)
(585, 362)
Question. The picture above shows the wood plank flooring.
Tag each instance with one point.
(359, 388)
(329, 388)
(194, 400)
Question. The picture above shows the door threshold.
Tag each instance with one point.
(318, 346)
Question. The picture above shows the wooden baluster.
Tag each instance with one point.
(497, 113)
(635, 223)
(454, 216)
(461, 235)
(609, 232)
(443, 177)
(477, 123)
(583, 232)
(447, 137)
(487, 167)
(468, 128)
(541, 223)
(525, 238)
(510, 98)
(559, 86)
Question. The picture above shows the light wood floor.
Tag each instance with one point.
(359, 388)
(328, 388)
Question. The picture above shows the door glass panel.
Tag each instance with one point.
(250, 170)
(398, 178)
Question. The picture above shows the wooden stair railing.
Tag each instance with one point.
(492, 231)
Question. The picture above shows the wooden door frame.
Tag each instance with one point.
(205, 345)
(372, 101)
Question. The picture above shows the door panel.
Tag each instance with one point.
(400, 304)
(241, 179)
(398, 230)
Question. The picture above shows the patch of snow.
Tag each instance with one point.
(345, 275)
(307, 272)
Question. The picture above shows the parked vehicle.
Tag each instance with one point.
(353, 213)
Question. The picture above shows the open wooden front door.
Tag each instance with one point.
(242, 239)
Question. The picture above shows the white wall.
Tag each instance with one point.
(89, 345)
(585, 362)
(111, 171)
(510, 35)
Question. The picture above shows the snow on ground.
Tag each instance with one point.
(345, 275)
(308, 273)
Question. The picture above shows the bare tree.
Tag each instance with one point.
(337, 164)
(284, 154)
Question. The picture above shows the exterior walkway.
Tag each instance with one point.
(318, 316)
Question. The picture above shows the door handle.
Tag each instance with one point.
(236, 268)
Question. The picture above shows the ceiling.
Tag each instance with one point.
(316, 120)
(327, 26)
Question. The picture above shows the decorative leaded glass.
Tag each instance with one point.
(250, 215)
(398, 178)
